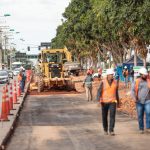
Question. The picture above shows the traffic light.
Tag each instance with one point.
(39, 48)
(28, 48)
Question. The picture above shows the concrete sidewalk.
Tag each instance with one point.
(7, 127)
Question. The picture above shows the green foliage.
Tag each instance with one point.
(104, 25)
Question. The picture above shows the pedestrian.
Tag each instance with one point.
(108, 97)
(141, 94)
(90, 70)
(99, 72)
(148, 74)
(20, 76)
(23, 81)
(131, 73)
(88, 86)
(125, 75)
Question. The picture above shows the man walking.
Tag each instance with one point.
(88, 85)
(108, 96)
(141, 94)
(125, 75)
(131, 75)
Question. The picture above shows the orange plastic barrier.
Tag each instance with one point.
(18, 89)
(15, 93)
(28, 74)
(10, 97)
(4, 114)
(7, 101)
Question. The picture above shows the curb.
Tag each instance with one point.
(11, 129)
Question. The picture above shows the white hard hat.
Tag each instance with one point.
(125, 67)
(143, 71)
(110, 71)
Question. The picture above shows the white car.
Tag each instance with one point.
(4, 77)
(16, 71)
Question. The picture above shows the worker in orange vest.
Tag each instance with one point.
(99, 72)
(141, 94)
(108, 96)
(20, 76)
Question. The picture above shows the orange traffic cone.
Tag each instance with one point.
(18, 89)
(10, 97)
(7, 101)
(4, 115)
(15, 93)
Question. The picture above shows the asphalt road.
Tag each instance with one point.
(69, 122)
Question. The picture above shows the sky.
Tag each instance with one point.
(36, 20)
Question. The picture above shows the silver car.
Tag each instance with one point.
(4, 77)
(16, 71)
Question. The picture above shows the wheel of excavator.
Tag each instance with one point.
(69, 85)
(40, 86)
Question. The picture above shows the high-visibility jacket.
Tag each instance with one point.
(19, 77)
(108, 92)
(125, 73)
(137, 82)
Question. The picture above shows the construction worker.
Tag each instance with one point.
(107, 95)
(88, 86)
(90, 70)
(23, 81)
(148, 74)
(125, 75)
(131, 73)
(20, 76)
(141, 94)
(99, 72)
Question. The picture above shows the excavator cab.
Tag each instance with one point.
(51, 65)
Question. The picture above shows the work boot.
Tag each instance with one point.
(112, 133)
(141, 131)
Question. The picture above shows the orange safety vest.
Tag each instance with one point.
(137, 82)
(125, 72)
(108, 92)
(19, 77)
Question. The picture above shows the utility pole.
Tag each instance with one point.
(1, 50)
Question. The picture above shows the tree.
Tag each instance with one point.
(105, 26)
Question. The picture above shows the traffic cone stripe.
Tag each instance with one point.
(4, 115)
(18, 89)
(15, 93)
(7, 101)
(11, 98)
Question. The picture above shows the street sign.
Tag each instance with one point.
(45, 44)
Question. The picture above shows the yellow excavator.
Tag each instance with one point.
(52, 69)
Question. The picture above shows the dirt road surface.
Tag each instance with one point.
(69, 122)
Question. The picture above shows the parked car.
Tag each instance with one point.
(10, 73)
(4, 77)
(16, 71)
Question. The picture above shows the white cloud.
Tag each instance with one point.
(36, 20)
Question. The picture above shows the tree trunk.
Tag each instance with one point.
(0, 58)
(135, 57)
(144, 62)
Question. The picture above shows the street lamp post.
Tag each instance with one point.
(2, 52)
